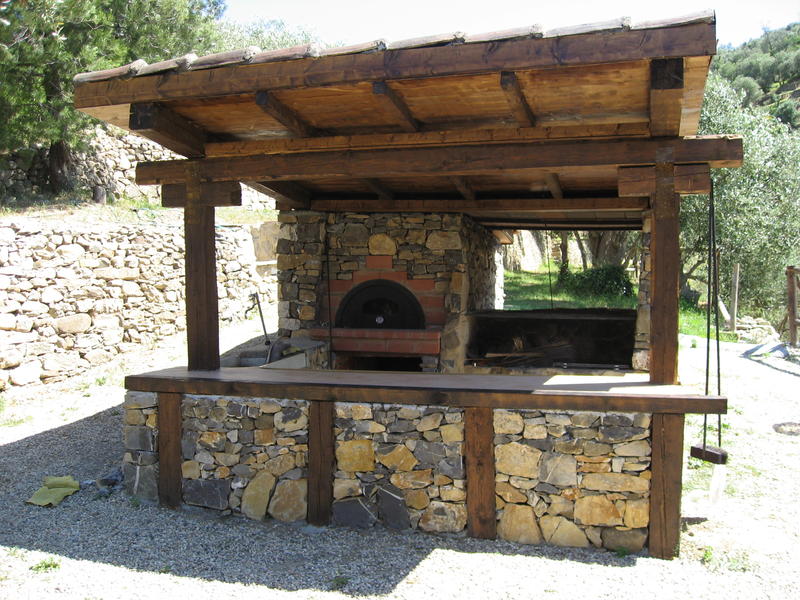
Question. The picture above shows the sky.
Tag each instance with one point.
(352, 21)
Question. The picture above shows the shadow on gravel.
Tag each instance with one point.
(772, 366)
(199, 544)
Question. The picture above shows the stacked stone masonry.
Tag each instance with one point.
(575, 479)
(641, 344)
(72, 297)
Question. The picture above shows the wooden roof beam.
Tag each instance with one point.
(287, 194)
(504, 236)
(168, 128)
(717, 151)
(561, 225)
(267, 101)
(394, 104)
(516, 99)
(517, 205)
(553, 184)
(641, 181)
(464, 188)
(380, 190)
(666, 96)
(222, 193)
(692, 39)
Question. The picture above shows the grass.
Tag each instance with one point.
(46, 565)
(530, 291)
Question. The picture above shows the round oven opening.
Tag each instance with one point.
(380, 304)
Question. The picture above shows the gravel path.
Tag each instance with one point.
(744, 546)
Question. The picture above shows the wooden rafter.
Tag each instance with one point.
(288, 193)
(223, 193)
(717, 151)
(165, 127)
(692, 39)
(517, 205)
(504, 236)
(554, 185)
(392, 101)
(666, 93)
(464, 188)
(267, 101)
(562, 225)
(383, 192)
(516, 99)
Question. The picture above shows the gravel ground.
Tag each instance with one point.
(90, 547)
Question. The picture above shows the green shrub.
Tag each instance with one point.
(609, 280)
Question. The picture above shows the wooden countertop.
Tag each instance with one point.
(629, 392)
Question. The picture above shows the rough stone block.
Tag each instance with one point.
(354, 512)
(137, 437)
(444, 517)
(141, 481)
(289, 500)
(392, 508)
(518, 524)
(209, 493)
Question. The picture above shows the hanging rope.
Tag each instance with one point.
(705, 452)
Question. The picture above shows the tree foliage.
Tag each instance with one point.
(767, 71)
(757, 205)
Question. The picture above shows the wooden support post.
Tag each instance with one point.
(321, 451)
(202, 313)
(479, 457)
(169, 449)
(665, 253)
(665, 486)
(791, 288)
(734, 296)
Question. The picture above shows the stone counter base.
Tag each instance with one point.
(570, 479)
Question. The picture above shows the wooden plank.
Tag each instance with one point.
(170, 482)
(666, 94)
(202, 312)
(383, 192)
(665, 256)
(554, 185)
(423, 138)
(298, 126)
(518, 205)
(321, 452)
(464, 188)
(479, 464)
(496, 391)
(641, 181)
(395, 105)
(718, 151)
(694, 39)
(503, 236)
(534, 224)
(516, 99)
(665, 486)
(223, 193)
(287, 193)
(165, 127)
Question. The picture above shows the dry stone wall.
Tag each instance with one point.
(576, 479)
(641, 343)
(72, 297)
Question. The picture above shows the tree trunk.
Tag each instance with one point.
(59, 167)
(608, 247)
(564, 246)
(582, 248)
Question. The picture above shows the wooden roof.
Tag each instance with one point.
(492, 124)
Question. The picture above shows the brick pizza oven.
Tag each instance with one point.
(400, 285)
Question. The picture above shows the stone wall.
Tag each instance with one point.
(576, 479)
(72, 297)
(485, 280)
(641, 344)
(402, 466)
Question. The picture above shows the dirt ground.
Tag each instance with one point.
(746, 541)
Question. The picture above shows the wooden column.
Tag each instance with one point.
(169, 449)
(479, 458)
(321, 448)
(665, 257)
(202, 312)
(665, 486)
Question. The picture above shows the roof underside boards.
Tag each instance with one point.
(518, 92)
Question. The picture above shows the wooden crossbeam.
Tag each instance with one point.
(561, 225)
(464, 188)
(666, 94)
(553, 184)
(693, 39)
(298, 126)
(516, 99)
(518, 205)
(718, 151)
(383, 192)
(503, 236)
(641, 181)
(392, 101)
(222, 193)
(165, 127)
(288, 194)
